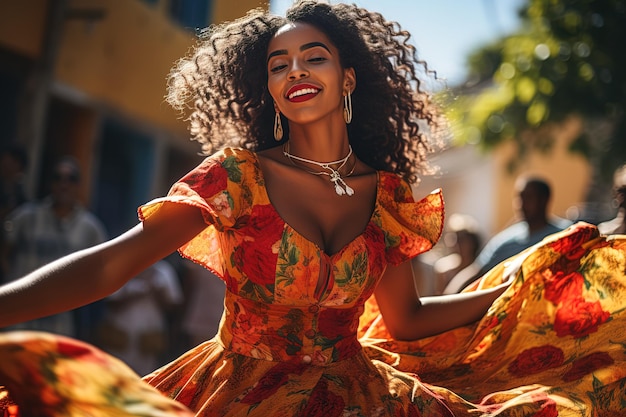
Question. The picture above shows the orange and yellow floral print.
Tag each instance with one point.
(301, 334)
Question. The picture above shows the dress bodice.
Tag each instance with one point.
(287, 299)
(262, 258)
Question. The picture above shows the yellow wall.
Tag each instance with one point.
(124, 59)
(231, 10)
(568, 173)
(121, 60)
(21, 26)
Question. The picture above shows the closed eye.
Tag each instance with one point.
(278, 68)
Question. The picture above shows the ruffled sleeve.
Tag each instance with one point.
(410, 227)
(220, 188)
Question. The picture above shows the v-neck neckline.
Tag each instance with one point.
(359, 236)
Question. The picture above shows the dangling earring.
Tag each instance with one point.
(278, 127)
(347, 108)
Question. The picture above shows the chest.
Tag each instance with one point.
(309, 205)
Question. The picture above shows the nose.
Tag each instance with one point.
(297, 71)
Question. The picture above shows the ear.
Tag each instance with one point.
(349, 80)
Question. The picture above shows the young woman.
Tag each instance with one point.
(304, 208)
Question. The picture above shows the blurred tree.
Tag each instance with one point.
(568, 59)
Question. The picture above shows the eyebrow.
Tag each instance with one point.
(302, 48)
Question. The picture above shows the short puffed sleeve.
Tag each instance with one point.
(217, 186)
(222, 187)
(410, 227)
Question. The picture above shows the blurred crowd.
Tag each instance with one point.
(177, 304)
(461, 256)
(162, 312)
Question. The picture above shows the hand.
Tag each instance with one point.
(512, 267)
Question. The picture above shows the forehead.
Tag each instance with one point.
(295, 34)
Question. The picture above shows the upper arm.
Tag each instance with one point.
(397, 297)
(94, 273)
(150, 241)
(462, 279)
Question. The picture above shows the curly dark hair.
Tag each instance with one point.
(224, 83)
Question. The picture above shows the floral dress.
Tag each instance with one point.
(301, 334)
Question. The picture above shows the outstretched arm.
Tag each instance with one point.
(91, 274)
(463, 278)
(408, 317)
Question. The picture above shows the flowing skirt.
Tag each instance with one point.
(557, 336)
(554, 344)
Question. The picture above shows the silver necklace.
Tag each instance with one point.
(341, 188)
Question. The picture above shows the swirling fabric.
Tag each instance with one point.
(553, 344)
(301, 334)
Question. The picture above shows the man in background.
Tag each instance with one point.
(532, 200)
(617, 225)
(13, 164)
(37, 233)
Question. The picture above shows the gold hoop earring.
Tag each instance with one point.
(347, 108)
(278, 127)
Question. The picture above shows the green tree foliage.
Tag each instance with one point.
(568, 58)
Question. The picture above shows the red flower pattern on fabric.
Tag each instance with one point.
(346, 348)
(257, 254)
(562, 286)
(375, 243)
(323, 402)
(271, 382)
(536, 359)
(411, 411)
(579, 318)
(405, 249)
(394, 183)
(210, 180)
(231, 283)
(587, 365)
(571, 245)
(335, 323)
(74, 349)
(249, 322)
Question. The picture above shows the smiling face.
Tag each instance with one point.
(305, 76)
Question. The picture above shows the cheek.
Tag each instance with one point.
(273, 88)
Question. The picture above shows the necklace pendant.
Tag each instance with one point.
(341, 188)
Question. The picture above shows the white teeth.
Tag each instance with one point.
(303, 92)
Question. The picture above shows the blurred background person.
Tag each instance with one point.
(463, 242)
(13, 164)
(204, 305)
(617, 225)
(531, 202)
(39, 232)
(135, 327)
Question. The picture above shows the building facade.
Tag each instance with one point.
(88, 78)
